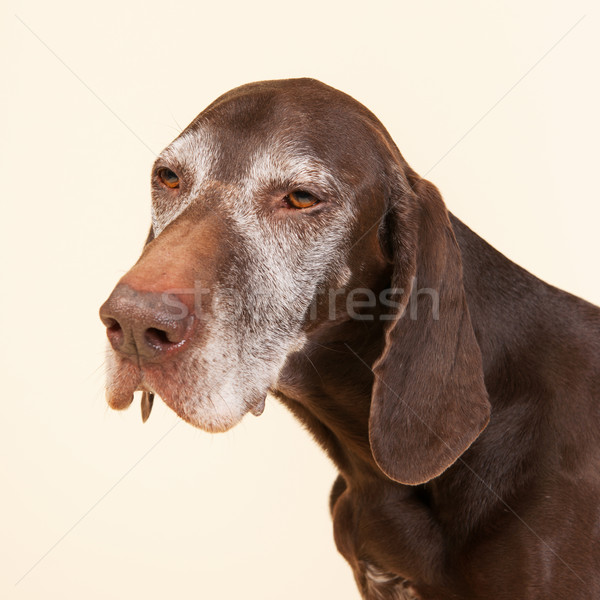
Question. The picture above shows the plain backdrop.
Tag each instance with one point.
(496, 102)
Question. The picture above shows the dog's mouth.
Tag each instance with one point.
(208, 410)
(122, 400)
(123, 381)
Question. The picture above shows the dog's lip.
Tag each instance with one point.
(119, 391)
(133, 378)
(119, 399)
(258, 408)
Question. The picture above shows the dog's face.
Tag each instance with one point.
(269, 200)
(278, 203)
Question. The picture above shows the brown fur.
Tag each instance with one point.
(467, 444)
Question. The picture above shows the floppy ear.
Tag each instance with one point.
(429, 400)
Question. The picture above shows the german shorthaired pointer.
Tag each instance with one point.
(294, 251)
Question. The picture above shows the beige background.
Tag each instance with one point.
(496, 102)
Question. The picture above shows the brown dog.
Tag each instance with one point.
(294, 251)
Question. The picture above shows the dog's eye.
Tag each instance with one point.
(300, 199)
(168, 178)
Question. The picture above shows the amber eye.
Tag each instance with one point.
(168, 178)
(300, 199)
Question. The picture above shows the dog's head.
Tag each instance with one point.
(275, 195)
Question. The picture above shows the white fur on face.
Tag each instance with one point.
(195, 153)
(260, 301)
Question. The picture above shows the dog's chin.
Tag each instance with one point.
(203, 414)
(211, 423)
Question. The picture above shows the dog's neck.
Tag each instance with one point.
(327, 386)
(335, 402)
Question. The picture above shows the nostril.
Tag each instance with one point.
(157, 337)
(114, 332)
(112, 325)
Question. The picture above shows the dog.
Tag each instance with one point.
(293, 251)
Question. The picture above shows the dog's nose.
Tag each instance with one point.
(147, 325)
